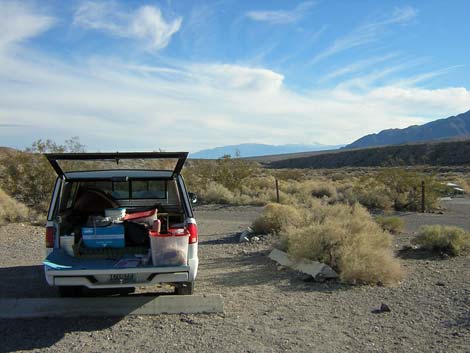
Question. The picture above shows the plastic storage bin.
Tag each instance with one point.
(104, 237)
(116, 214)
(169, 249)
(66, 243)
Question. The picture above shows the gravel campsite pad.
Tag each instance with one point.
(267, 308)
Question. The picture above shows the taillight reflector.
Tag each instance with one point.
(192, 229)
(50, 235)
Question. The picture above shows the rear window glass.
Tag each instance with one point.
(133, 189)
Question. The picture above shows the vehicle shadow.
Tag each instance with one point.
(35, 334)
(25, 282)
(231, 239)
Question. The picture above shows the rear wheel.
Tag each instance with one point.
(69, 291)
(185, 288)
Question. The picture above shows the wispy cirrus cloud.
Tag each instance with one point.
(367, 33)
(19, 21)
(145, 24)
(281, 16)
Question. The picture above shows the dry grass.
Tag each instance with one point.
(391, 224)
(342, 236)
(448, 239)
(11, 210)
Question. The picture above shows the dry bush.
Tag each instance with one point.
(344, 237)
(276, 217)
(391, 224)
(11, 210)
(324, 189)
(216, 193)
(449, 239)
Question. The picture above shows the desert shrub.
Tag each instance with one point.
(276, 217)
(28, 176)
(347, 239)
(404, 188)
(11, 210)
(324, 190)
(391, 224)
(216, 193)
(448, 239)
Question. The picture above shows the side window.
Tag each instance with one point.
(120, 190)
(71, 195)
(149, 189)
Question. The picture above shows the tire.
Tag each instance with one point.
(69, 291)
(185, 288)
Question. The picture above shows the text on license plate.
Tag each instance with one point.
(122, 278)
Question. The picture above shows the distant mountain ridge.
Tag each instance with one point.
(257, 149)
(454, 127)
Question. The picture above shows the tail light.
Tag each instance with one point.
(50, 237)
(192, 229)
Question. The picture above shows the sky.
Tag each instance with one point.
(189, 75)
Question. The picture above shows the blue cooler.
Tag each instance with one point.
(111, 236)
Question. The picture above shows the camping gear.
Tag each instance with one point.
(136, 234)
(116, 214)
(169, 249)
(101, 237)
(147, 217)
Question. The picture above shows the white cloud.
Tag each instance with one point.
(18, 22)
(146, 23)
(281, 16)
(367, 33)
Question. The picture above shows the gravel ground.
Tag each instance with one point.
(268, 309)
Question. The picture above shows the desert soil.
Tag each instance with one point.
(267, 308)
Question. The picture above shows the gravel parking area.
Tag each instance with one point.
(268, 309)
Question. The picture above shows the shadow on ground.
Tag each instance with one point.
(33, 334)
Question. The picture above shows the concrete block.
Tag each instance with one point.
(15, 308)
(313, 268)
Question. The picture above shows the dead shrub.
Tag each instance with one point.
(391, 224)
(11, 210)
(448, 239)
(347, 239)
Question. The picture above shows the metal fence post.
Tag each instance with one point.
(277, 191)
(423, 196)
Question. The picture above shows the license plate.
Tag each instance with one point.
(122, 278)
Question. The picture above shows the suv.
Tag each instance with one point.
(113, 224)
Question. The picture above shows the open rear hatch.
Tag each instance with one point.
(67, 163)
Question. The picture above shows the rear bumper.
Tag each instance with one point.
(121, 278)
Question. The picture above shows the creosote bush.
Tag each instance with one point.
(342, 236)
(391, 224)
(448, 239)
(11, 210)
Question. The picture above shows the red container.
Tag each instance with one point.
(142, 217)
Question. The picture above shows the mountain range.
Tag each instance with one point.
(257, 149)
(454, 127)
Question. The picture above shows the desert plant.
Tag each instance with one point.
(390, 224)
(342, 236)
(28, 176)
(216, 193)
(276, 217)
(448, 239)
(11, 210)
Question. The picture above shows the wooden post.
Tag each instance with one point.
(277, 191)
(423, 197)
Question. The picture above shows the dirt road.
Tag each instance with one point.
(267, 309)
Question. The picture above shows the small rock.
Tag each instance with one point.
(255, 239)
(187, 320)
(440, 284)
(244, 239)
(384, 308)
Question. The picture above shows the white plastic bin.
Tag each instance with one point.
(169, 249)
(66, 243)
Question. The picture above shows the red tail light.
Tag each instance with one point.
(192, 228)
(50, 237)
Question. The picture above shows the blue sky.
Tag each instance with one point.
(188, 75)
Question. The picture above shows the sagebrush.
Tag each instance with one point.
(448, 239)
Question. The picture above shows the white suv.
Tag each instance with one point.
(113, 224)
